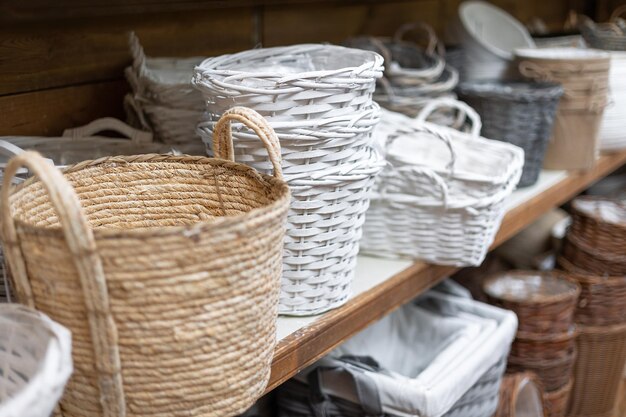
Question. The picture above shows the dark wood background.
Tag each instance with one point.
(61, 62)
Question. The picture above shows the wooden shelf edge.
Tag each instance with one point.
(302, 348)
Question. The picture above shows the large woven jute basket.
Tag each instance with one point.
(543, 301)
(598, 371)
(165, 268)
(35, 362)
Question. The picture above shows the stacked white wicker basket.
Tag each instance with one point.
(612, 131)
(35, 362)
(163, 99)
(441, 197)
(318, 99)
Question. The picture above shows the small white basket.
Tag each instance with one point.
(35, 362)
(442, 197)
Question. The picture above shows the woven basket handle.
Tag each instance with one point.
(137, 52)
(82, 245)
(433, 45)
(109, 123)
(463, 108)
(382, 49)
(223, 138)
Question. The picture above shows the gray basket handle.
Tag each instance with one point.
(223, 139)
(433, 45)
(617, 13)
(109, 123)
(82, 245)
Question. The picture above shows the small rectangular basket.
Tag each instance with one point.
(441, 197)
(443, 355)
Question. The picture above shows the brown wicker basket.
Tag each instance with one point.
(553, 374)
(543, 301)
(555, 402)
(593, 260)
(590, 223)
(598, 370)
(602, 299)
(543, 346)
(520, 394)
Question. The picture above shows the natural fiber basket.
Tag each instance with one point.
(543, 301)
(602, 298)
(520, 395)
(598, 371)
(610, 36)
(593, 260)
(553, 373)
(555, 402)
(35, 362)
(521, 113)
(600, 223)
(165, 268)
(543, 346)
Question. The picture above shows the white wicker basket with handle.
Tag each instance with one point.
(435, 205)
(35, 362)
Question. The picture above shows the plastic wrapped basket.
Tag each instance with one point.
(35, 362)
(182, 252)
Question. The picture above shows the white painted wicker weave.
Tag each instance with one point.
(318, 99)
(35, 362)
(299, 82)
(163, 99)
(441, 197)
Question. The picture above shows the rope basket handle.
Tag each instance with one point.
(82, 245)
(433, 45)
(223, 138)
(463, 109)
(109, 123)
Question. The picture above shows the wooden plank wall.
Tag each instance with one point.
(61, 62)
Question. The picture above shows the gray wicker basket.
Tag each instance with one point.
(518, 112)
(610, 36)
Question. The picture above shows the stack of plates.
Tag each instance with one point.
(612, 132)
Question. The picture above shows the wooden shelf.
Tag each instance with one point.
(382, 285)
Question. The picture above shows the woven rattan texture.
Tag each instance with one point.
(509, 391)
(555, 402)
(35, 362)
(167, 276)
(592, 260)
(590, 228)
(518, 113)
(602, 298)
(610, 36)
(540, 312)
(543, 346)
(598, 371)
(553, 373)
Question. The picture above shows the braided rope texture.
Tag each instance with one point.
(35, 362)
(318, 99)
(518, 113)
(191, 250)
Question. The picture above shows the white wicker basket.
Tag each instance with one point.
(35, 362)
(318, 99)
(163, 100)
(299, 82)
(441, 198)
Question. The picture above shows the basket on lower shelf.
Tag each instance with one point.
(553, 373)
(598, 371)
(521, 113)
(159, 263)
(555, 402)
(440, 355)
(441, 197)
(35, 362)
(520, 395)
